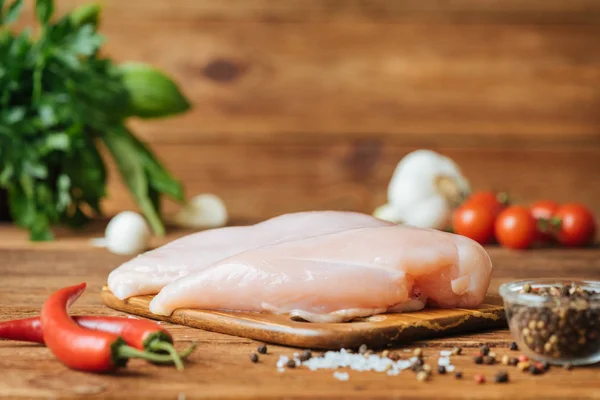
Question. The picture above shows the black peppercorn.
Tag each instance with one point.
(489, 360)
(458, 375)
(363, 349)
(441, 369)
(501, 377)
(262, 349)
(485, 350)
(514, 346)
(291, 364)
(478, 360)
(254, 357)
(513, 361)
(534, 370)
(305, 356)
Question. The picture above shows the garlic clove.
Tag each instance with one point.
(127, 234)
(204, 211)
(388, 212)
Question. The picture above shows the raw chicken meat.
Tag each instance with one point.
(339, 276)
(151, 271)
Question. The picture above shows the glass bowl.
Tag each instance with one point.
(555, 320)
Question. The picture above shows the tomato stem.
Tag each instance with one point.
(503, 198)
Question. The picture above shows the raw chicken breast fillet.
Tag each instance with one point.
(151, 271)
(339, 276)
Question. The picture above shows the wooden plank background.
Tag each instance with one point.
(309, 104)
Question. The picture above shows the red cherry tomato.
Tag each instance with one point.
(577, 225)
(515, 228)
(475, 221)
(543, 211)
(489, 199)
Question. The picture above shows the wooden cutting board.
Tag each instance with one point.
(376, 332)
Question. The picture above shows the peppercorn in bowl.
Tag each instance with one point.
(555, 320)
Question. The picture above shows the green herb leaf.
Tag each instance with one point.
(44, 10)
(160, 178)
(86, 14)
(151, 92)
(14, 10)
(125, 155)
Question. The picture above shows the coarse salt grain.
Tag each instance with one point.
(445, 353)
(445, 361)
(341, 376)
(450, 368)
(357, 362)
(407, 350)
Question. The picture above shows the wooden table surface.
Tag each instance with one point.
(220, 368)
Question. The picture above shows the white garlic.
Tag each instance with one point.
(204, 211)
(424, 190)
(127, 233)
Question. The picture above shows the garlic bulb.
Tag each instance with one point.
(204, 211)
(424, 190)
(127, 233)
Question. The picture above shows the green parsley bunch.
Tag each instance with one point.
(59, 101)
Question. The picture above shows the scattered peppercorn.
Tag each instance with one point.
(522, 358)
(418, 352)
(534, 370)
(306, 355)
(291, 364)
(262, 349)
(514, 346)
(426, 368)
(568, 366)
(419, 362)
(456, 351)
(363, 349)
(504, 360)
(441, 370)
(393, 356)
(458, 375)
(501, 377)
(254, 357)
(513, 361)
(489, 360)
(485, 350)
(545, 365)
(479, 378)
(478, 360)
(422, 376)
(523, 365)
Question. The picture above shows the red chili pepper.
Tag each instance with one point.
(81, 348)
(139, 333)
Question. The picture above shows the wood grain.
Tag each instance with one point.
(220, 368)
(258, 181)
(378, 331)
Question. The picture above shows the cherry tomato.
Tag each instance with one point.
(490, 199)
(475, 221)
(543, 211)
(515, 227)
(577, 225)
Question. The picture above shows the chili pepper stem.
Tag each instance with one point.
(127, 352)
(168, 347)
